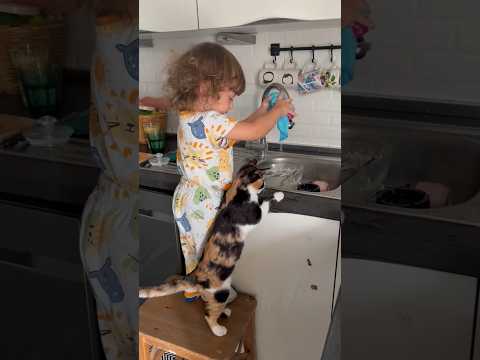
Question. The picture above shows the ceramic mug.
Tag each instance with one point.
(288, 75)
(310, 79)
(269, 74)
(331, 75)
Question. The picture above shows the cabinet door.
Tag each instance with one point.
(159, 248)
(476, 354)
(226, 13)
(44, 317)
(178, 15)
(338, 271)
(399, 312)
(40, 232)
(288, 264)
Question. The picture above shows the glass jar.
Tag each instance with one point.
(152, 129)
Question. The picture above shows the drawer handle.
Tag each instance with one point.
(145, 212)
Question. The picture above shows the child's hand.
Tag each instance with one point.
(158, 103)
(263, 108)
(284, 107)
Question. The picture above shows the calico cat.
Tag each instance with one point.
(239, 213)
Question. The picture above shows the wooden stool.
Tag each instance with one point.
(170, 324)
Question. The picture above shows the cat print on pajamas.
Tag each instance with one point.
(225, 242)
(201, 194)
(109, 281)
(183, 220)
(198, 128)
(130, 57)
(213, 173)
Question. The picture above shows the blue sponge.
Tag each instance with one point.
(282, 122)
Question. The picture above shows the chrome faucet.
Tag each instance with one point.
(260, 146)
(264, 150)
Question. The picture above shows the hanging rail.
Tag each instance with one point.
(275, 48)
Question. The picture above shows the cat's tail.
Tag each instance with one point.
(171, 286)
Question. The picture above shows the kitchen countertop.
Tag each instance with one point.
(60, 177)
(325, 205)
(57, 179)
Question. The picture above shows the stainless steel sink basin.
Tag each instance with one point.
(287, 171)
(404, 160)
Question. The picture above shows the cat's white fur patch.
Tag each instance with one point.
(253, 193)
(232, 296)
(218, 330)
(226, 285)
(245, 230)
(278, 196)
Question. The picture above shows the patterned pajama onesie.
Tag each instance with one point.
(205, 160)
(109, 231)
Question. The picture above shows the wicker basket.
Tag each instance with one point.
(51, 36)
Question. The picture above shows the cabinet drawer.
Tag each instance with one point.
(155, 202)
(160, 254)
(40, 232)
(44, 317)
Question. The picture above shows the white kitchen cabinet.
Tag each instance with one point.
(228, 13)
(160, 255)
(161, 15)
(399, 312)
(288, 264)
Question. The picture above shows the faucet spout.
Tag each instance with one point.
(264, 150)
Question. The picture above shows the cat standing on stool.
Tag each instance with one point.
(241, 211)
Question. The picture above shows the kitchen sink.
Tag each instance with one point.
(285, 171)
(446, 159)
(402, 161)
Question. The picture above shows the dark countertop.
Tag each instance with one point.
(61, 179)
(58, 179)
(326, 205)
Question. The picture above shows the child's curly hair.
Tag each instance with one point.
(207, 63)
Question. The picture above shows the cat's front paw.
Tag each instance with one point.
(278, 196)
(219, 330)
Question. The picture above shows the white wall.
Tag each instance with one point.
(318, 119)
(424, 49)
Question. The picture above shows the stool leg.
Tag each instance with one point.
(143, 351)
(249, 341)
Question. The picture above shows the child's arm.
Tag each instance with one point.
(257, 125)
(160, 103)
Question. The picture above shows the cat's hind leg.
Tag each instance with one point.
(232, 296)
(215, 306)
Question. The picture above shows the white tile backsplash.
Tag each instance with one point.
(318, 114)
(421, 50)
